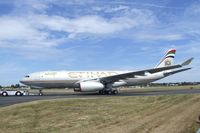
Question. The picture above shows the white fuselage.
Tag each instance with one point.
(70, 79)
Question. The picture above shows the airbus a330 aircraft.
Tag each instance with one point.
(104, 82)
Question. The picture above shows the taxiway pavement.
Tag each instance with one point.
(10, 100)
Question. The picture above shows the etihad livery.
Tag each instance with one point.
(104, 82)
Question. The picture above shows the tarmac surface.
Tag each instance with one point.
(10, 100)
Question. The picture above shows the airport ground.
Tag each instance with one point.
(149, 110)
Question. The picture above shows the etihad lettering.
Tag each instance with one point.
(90, 74)
(72, 75)
(50, 73)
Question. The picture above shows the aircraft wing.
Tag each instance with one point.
(114, 78)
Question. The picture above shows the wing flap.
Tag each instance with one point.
(177, 71)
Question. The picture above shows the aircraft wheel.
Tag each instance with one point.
(104, 92)
(101, 92)
(41, 94)
(115, 92)
(109, 92)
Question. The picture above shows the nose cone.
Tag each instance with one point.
(22, 81)
(25, 79)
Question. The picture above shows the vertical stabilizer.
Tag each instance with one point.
(168, 59)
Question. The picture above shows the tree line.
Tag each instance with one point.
(11, 86)
(175, 84)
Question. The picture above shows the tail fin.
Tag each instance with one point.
(168, 59)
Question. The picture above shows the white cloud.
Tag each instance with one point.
(94, 24)
(14, 28)
(31, 5)
(193, 10)
(154, 37)
(18, 36)
(34, 31)
(108, 9)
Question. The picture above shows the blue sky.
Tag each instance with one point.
(42, 35)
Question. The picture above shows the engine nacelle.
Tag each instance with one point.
(89, 86)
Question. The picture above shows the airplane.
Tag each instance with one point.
(104, 82)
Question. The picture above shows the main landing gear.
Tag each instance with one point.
(40, 93)
(108, 92)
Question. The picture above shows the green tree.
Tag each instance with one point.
(17, 86)
(12, 86)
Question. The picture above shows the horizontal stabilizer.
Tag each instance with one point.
(187, 62)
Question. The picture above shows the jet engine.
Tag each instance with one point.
(89, 86)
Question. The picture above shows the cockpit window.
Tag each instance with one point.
(27, 76)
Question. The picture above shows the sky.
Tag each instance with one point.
(40, 35)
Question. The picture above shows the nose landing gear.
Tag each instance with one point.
(40, 93)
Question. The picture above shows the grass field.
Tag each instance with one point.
(149, 114)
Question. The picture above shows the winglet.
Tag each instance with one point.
(187, 62)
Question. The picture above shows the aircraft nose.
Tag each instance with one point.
(23, 81)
